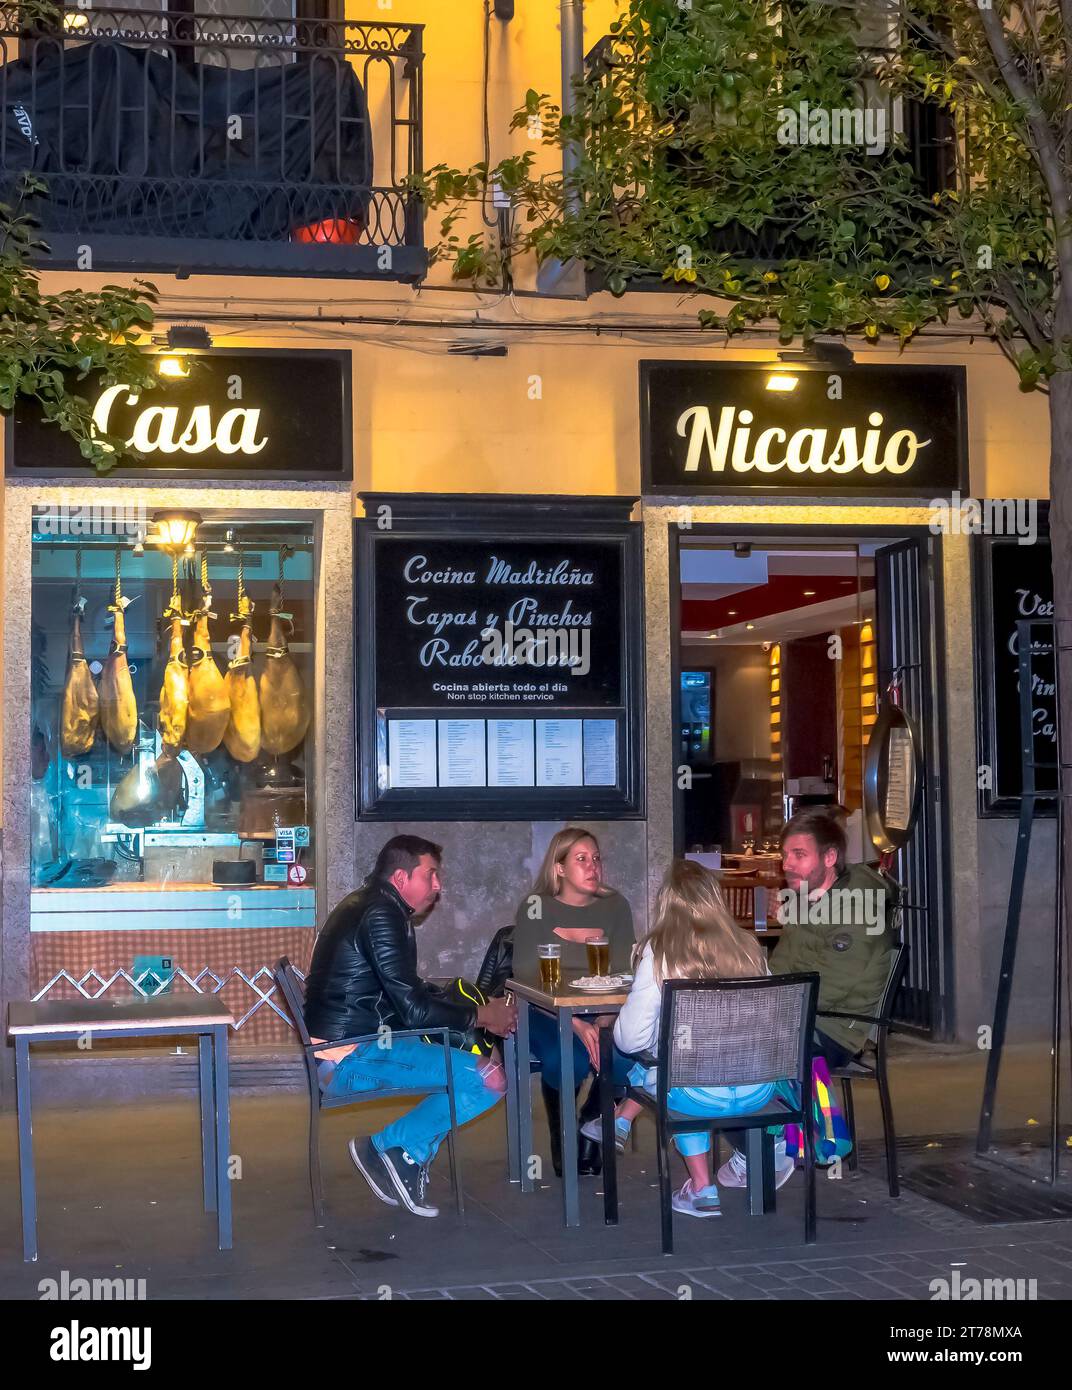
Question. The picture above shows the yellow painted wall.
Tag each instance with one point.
(560, 413)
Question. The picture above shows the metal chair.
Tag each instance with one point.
(287, 980)
(864, 1068)
(736, 1032)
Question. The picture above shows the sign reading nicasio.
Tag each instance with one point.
(720, 428)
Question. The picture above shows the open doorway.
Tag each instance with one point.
(786, 646)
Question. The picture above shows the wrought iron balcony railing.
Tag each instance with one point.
(179, 142)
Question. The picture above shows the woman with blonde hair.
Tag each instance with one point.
(694, 938)
(570, 905)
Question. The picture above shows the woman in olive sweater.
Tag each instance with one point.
(568, 906)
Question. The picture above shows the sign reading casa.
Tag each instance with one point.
(745, 426)
(232, 415)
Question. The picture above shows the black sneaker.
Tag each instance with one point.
(410, 1180)
(372, 1168)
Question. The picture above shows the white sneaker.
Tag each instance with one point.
(691, 1203)
(593, 1129)
(734, 1172)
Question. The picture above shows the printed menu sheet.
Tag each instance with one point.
(600, 753)
(461, 753)
(558, 753)
(411, 751)
(511, 753)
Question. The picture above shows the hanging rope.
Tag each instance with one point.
(175, 581)
(76, 596)
(241, 579)
(204, 572)
(118, 579)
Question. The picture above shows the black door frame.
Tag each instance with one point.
(943, 1025)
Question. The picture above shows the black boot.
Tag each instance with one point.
(589, 1153)
(554, 1123)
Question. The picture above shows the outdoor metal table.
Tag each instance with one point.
(564, 1005)
(163, 1016)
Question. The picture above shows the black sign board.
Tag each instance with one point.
(1015, 582)
(234, 415)
(853, 431)
(499, 658)
(435, 598)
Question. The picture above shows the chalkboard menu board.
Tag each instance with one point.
(499, 658)
(1015, 582)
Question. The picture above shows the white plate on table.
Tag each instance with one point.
(601, 984)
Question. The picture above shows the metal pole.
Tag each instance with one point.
(572, 26)
(1016, 892)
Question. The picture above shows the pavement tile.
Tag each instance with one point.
(134, 1212)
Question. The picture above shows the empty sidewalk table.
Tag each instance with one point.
(158, 1017)
(563, 1004)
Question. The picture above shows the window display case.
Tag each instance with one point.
(172, 685)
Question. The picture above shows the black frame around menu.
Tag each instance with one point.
(491, 526)
(998, 726)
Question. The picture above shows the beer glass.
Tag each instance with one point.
(550, 958)
(598, 956)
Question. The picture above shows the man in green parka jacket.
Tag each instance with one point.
(837, 921)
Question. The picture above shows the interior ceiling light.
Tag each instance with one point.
(732, 612)
(175, 531)
(809, 593)
(749, 626)
(782, 381)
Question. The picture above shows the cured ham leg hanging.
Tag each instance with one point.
(285, 710)
(175, 692)
(118, 707)
(210, 706)
(242, 737)
(80, 713)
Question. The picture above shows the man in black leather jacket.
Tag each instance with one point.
(363, 982)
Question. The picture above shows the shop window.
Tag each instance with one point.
(184, 762)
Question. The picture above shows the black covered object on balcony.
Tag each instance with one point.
(131, 141)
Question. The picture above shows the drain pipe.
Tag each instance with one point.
(567, 280)
(571, 23)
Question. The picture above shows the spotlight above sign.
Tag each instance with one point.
(714, 427)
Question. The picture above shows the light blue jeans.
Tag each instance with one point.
(716, 1101)
(411, 1065)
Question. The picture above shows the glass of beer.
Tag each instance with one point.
(550, 958)
(598, 956)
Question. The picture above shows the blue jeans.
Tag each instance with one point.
(411, 1065)
(543, 1044)
(715, 1101)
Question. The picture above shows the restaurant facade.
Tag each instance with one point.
(408, 513)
